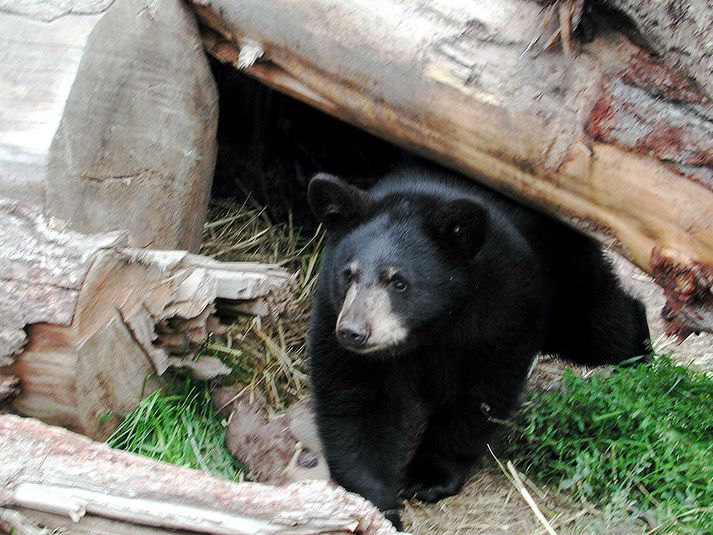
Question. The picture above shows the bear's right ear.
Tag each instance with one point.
(461, 224)
(336, 203)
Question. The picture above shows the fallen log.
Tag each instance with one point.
(88, 325)
(613, 141)
(109, 115)
(57, 478)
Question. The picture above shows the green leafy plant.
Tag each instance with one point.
(644, 432)
(178, 425)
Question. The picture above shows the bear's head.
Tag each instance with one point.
(398, 267)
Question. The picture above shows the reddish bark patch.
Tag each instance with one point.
(602, 114)
(689, 294)
(652, 75)
(671, 131)
(673, 143)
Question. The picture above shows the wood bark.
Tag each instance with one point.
(678, 31)
(51, 475)
(278, 450)
(614, 141)
(87, 324)
(109, 115)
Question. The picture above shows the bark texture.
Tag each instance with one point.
(680, 31)
(59, 478)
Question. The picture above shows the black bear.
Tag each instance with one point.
(434, 296)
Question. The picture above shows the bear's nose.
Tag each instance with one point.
(352, 334)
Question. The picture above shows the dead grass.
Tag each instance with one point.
(267, 354)
(490, 505)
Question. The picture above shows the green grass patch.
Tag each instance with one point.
(643, 432)
(179, 425)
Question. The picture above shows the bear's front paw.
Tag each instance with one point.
(432, 491)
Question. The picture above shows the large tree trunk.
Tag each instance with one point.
(87, 324)
(612, 141)
(59, 479)
(108, 116)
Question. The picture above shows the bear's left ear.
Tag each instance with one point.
(336, 203)
(461, 224)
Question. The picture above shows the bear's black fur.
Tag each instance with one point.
(434, 296)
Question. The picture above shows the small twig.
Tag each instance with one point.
(565, 17)
(546, 19)
(552, 40)
(645, 492)
(530, 501)
(517, 482)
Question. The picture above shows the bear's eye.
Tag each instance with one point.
(399, 284)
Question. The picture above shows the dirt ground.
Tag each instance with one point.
(491, 505)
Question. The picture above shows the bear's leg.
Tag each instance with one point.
(451, 446)
(457, 435)
(368, 454)
(432, 475)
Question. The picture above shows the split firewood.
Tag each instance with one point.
(89, 325)
(615, 141)
(56, 478)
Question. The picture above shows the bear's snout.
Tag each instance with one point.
(352, 334)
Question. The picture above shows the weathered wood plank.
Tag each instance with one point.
(52, 470)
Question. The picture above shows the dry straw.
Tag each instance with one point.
(268, 354)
